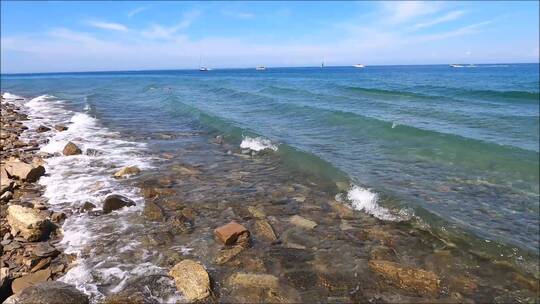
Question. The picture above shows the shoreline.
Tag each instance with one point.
(283, 233)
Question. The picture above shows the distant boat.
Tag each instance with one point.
(359, 66)
(322, 64)
(203, 69)
(260, 68)
(462, 66)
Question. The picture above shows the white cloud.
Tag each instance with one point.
(450, 16)
(403, 11)
(238, 14)
(157, 31)
(108, 25)
(137, 10)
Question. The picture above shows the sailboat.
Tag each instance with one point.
(201, 68)
(260, 68)
(359, 66)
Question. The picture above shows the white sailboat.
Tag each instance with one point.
(202, 68)
(260, 68)
(359, 66)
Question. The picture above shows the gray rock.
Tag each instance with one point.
(52, 292)
(115, 202)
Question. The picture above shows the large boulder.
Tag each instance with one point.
(23, 171)
(191, 279)
(415, 280)
(115, 202)
(51, 292)
(31, 224)
(130, 170)
(71, 149)
(232, 233)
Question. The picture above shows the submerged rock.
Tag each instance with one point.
(191, 279)
(418, 281)
(42, 129)
(86, 207)
(71, 149)
(227, 254)
(129, 170)
(152, 211)
(52, 292)
(302, 222)
(265, 230)
(115, 202)
(60, 127)
(232, 233)
(253, 280)
(23, 171)
(31, 224)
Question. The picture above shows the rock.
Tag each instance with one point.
(253, 280)
(130, 170)
(191, 279)
(227, 254)
(265, 230)
(60, 128)
(115, 202)
(42, 129)
(28, 280)
(44, 249)
(71, 149)
(256, 212)
(418, 281)
(6, 184)
(24, 171)
(12, 246)
(152, 211)
(302, 222)
(232, 233)
(341, 209)
(6, 197)
(31, 224)
(58, 217)
(93, 152)
(52, 292)
(87, 206)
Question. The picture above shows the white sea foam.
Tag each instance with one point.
(365, 200)
(257, 144)
(9, 96)
(105, 245)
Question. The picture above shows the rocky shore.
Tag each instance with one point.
(30, 232)
(251, 233)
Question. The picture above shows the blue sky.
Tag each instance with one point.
(94, 36)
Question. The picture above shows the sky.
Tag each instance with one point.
(135, 35)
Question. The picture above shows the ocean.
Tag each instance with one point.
(455, 151)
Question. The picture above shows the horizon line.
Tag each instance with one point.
(250, 68)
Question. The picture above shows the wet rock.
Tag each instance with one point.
(58, 217)
(28, 280)
(93, 152)
(152, 211)
(412, 279)
(129, 170)
(298, 237)
(341, 209)
(24, 171)
(44, 249)
(256, 212)
(383, 253)
(29, 222)
(253, 280)
(265, 230)
(6, 197)
(115, 202)
(60, 127)
(71, 149)
(6, 184)
(228, 253)
(191, 279)
(86, 207)
(53, 292)
(11, 245)
(42, 129)
(302, 222)
(181, 223)
(232, 233)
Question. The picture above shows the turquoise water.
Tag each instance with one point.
(457, 147)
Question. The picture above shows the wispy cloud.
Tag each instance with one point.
(108, 26)
(238, 14)
(137, 10)
(450, 16)
(403, 11)
(158, 31)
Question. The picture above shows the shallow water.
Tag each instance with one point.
(453, 151)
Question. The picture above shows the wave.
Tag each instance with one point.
(9, 96)
(257, 144)
(365, 200)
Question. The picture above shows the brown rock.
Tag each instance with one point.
(227, 254)
(418, 281)
(54, 292)
(152, 211)
(60, 128)
(23, 171)
(87, 206)
(191, 279)
(256, 212)
(29, 280)
(57, 217)
(302, 222)
(42, 129)
(253, 280)
(130, 170)
(265, 230)
(71, 149)
(31, 223)
(232, 233)
(115, 202)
